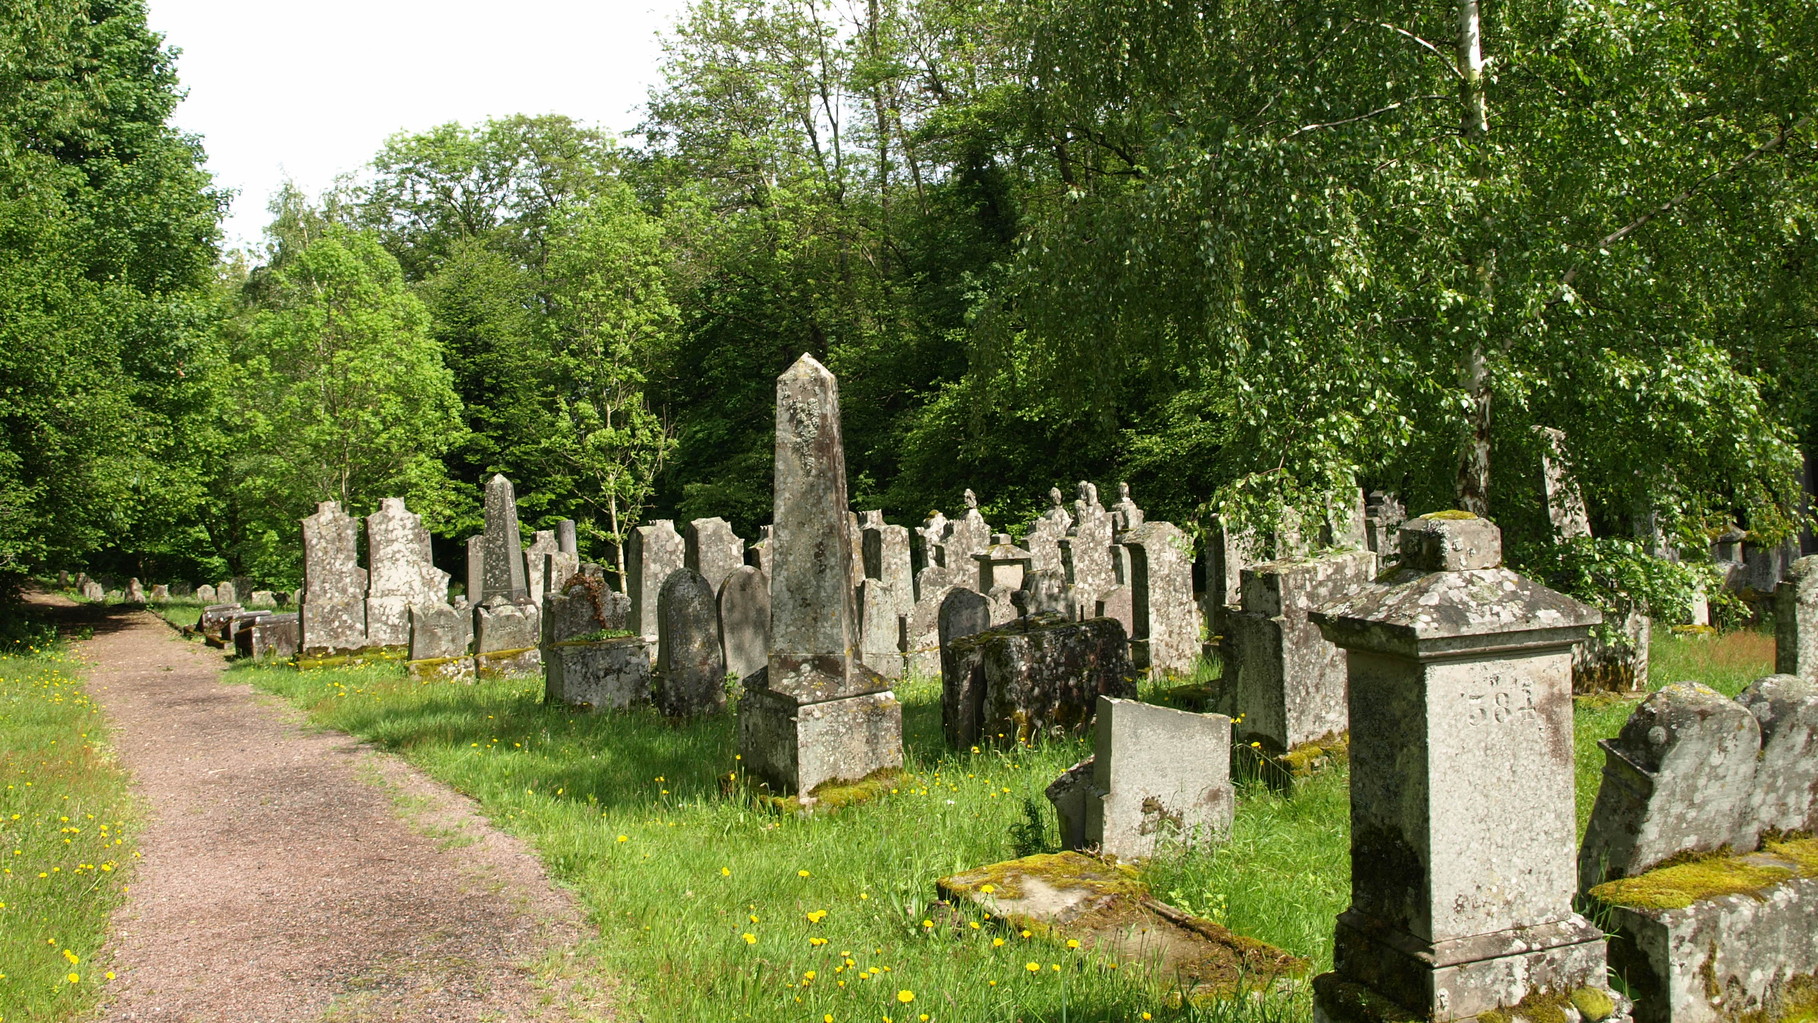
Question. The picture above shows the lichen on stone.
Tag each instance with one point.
(1681, 883)
(1452, 515)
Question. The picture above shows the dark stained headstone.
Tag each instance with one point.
(744, 603)
(691, 671)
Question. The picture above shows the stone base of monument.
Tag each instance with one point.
(798, 747)
(1718, 939)
(1037, 676)
(1072, 896)
(1336, 1000)
(1464, 977)
(501, 663)
(609, 674)
(448, 669)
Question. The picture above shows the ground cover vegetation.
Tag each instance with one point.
(1243, 255)
(66, 834)
(712, 907)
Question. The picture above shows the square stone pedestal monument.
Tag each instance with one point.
(1463, 864)
(814, 714)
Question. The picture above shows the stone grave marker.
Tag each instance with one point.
(653, 552)
(536, 563)
(1565, 504)
(1287, 682)
(1001, 567)
(476, 569)
(262, 598)
(160, 594)
(815, 714)
(1462, 821)
(1161, 588)
(440, 635)
(92, 590)
(1796, 620)
(1032, 678)
(227, 593)
(711, 548)
(507, 626)
(1786, 774)
(1086, 553)
(504, 574)
(744, 603)
(566, 541)
(135, 592)
(691, 669)
(922, 635)
(333, 604)
(401, 573)
(880, 628)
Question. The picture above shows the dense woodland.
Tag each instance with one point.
(1242, 254)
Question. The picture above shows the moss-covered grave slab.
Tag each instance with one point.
(1107, 909)
(1718, 939)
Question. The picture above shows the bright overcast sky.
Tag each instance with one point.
(309, 91)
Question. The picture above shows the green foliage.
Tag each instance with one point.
(1617, 576)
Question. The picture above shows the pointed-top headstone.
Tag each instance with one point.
(504, 576)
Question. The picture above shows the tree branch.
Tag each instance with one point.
(1349, 120)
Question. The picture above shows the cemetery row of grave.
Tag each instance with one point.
(1450, 677)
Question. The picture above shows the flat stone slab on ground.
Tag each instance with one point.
(1073, 896)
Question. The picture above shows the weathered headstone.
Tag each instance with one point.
(922, 635)
(880, 628)
(967, 536)
(1461, 784)
(651, 554)
(63, 579)
(1679, 777)
(504, 574)
(1125, 515)
(1786, 773)
(536, 563)
(758, 554)
(506, 638)
(814, 714)
(887, 560)
(1032, 678)
(1383, 516)
(270, 638)
(1565, 504)
(930, 552)
(1288, 682)
(1046, 591)
(402, 573)
(135, 592)
(1344, 526)
(691, 670)
(1086, 553)
(1161, 586)
(267, 598)
(1617, 662)
(1000, 571)
(476, 569)
(711, 548)
(227, 593)
(566, 541)
(585, 607)
(1118, 604)
(1796, 620)
(1158, 774)
(744, 602)
(963, 613)
(91, 590)
(115, 596)
(160, 594)
(608, 674)
(1045, 534)
(439, 637)
(333, 605)
(212, 623)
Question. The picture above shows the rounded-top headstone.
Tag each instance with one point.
(691, 671)
(744, 605)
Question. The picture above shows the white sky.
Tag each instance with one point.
(309, 91)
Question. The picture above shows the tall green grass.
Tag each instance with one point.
(67, 828)
(709, 907)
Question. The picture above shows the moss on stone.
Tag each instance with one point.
(1061, 870)
(1594, 1005)
(1346, 1002)
(349, 660)
(1452, 515)
(1678, 885)
(596, 636)
(835, 794)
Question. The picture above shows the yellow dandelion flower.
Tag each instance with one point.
(750, 939)
(75, 978)
(987, 888)
(1033, 967)
(808, 975)
(997, 943)
(1072, 942)
(817, 942)
(72, 957)
(801, 873)
(817, 916)
(905, 997)
(725, 871)
(624, 838)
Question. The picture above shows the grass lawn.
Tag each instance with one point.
(66, 835)
(712, 909)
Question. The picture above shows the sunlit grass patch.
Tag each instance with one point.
(67, 833)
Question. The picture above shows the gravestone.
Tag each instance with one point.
(439, 637)
(744, 603)
(1287, 682)
(566, 541)
(1796, 621)
(1679, 777)
(115, 596)
(1125, 515)
(536, 564)
(584, 607)
(691, 670)
(1166, 639)
(1119, 605)
(92, 590)
(227, 592)
(272, 637)
(814, 715)
(1000, 571)
(476, 569)
(1086, 553)
(588, 660)
(1383, 516)
(1565, 504)
(1158, 775)
(135, 592)
(922, 634)
(963, 613)
(559, 567)
(1462, 819)
(880, 628)
(651, 554)
(160, 594)
(267, 598)
(1344, 525)
(63, 581)
(503, 572)
(401, 573)
(212, 623)
(887, 560)
(333, 601)
(1033, 678)
(1786, 773)
(1046, 591)
(967, 536)
(930, 553)
(711, 548)
(1046, 533)
(758, 554)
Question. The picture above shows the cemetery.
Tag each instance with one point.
(1080, 511)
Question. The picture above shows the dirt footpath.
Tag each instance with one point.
(291, 875)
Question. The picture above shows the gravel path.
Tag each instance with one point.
(293, 875)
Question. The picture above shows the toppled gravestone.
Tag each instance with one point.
(1036, 676)
(270, 637)
(590, 658)
(1156, 775)
(1679, 777)
(1073, 897)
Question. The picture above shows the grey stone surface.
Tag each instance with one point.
(1679, 777)
(1287, 682)
(584, 607)
(1045, 534)
(212, 623)
(160, 593)
(476, 569)
(1383, 516)
(1796, 620)
(711, 548)
(1047, 591)
(690, 668)
(610, 674)
(1086, 553)
(439, 632)
(1161, 588)
(227, 593)
(205, 594)
(1032, 678)
(1070, 793)
(881, 624)
(115, 596)
(566, 541)
(1617, 663)
(333, 604)
(402, 573)
(815, 713)
(272, 638)
(1118, 604)
(1442, 542)
(1125, 515)
(506, 628)
(559, 567)
(1001, 567)
(1565, 504)
(929, 553)
(504, 574)
(744, 603)
(967, 536)
(758, 554)
(1159, 775)
(536, 564)
(651, 554)
(135, 592)
(922, 635)
(1345, 524)
(92, 590)
(962, 613)
(260, 598)
(887, 560)
(1786, 773)
(1721, 959)
(1462, 821)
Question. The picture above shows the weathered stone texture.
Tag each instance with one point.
(1461, 750)
(1032, 678)
(439, 631)
(402, 573)
(585, 606)
(807, 745)
(608, 674)
(160, 594)
(204, 593)
(504, 574)
(1565, 504)
(506, 638)
(566, 542)
(1158, 775)
(272, 638)
(1679, 777)
(1287, 681)
(333, 605)
(1796, 621)
(711, 548)
(744, 603)
(476, 569)
(653, 552)
(536, 564)
(1046, 591)
(881, 628)
(228, 593)
(135, 592)
(691, 670)
(1786, 773)
(1161, 586)
(1618, 663)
